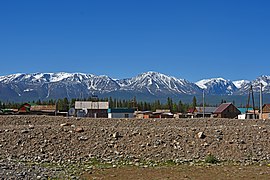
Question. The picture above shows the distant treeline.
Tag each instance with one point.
(65, 104)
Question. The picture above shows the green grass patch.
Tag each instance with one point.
(211, 159)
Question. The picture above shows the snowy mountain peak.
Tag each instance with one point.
(11, 77)
(241, 83)
(217, 86)
(156, 83)
(265, 81)
(205, 82)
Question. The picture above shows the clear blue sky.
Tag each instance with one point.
(186, 39)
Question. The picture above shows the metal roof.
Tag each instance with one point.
(207, 110)
(244, 110)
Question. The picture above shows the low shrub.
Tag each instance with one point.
(211, 159)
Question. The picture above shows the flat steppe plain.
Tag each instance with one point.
(42, 147)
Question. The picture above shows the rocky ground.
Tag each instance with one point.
(42, 147)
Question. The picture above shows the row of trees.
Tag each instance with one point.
(65, 104)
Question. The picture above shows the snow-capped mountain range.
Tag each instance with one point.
(19, 87)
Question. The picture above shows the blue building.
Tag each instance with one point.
(121, 113)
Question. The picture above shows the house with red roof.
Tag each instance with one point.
(227, 110)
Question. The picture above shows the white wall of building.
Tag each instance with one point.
(242, 116)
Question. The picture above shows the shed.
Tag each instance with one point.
(227, 110)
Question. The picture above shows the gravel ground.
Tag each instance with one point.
(39, 147)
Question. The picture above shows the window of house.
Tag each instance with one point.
(126, 115)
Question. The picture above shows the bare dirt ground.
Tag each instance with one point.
(41, 147)
(182, 172)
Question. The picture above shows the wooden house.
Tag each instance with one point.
(266, 111)
(199, 112)
(43, 109)
(226, 110)
(30, 108)
(207, 112)
(143, 114)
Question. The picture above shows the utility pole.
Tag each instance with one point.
(56, 107)
(261, 86)
(203, 104)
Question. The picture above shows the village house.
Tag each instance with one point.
(30, 108)
(121, 113)
(266, 111)
(226, 110)
(92, 109)
(143, 114)
(248, 113)
(162, 113)
(199, 112)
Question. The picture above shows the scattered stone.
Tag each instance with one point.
(79, 130)
(242, 142)
(201, 135)
(116, 135)
(83, 138)
(65, 124)
(25, 131)
(205, 144)
(144, 143)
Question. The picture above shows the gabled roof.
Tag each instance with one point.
(268, 105)
(266, 108)
(222, 107)
(192, 110)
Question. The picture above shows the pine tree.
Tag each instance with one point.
(111, 105)
(169, 103)
(175, 108)
(180, 107)
(38, 102)
(194, 102)
(65, 104)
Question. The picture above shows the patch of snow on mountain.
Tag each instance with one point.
(202, 83)
(27, 90)
(9, 78)
(59, 76)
